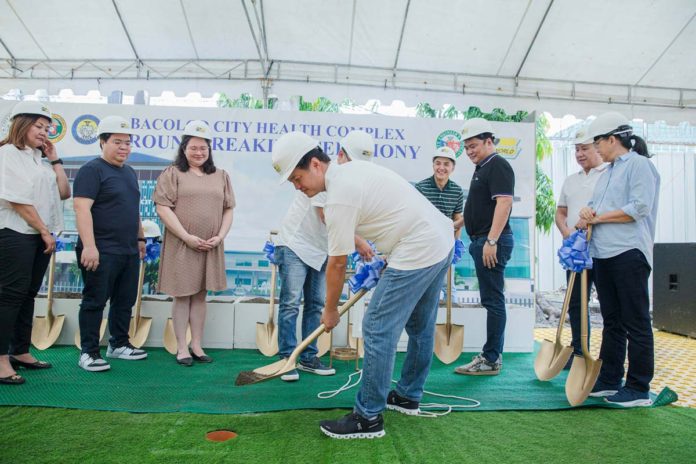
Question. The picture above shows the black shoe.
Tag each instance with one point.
(15, 379)
(401, 404)
(16, 363)
(201, 359)
(353, 425)
(188, 362)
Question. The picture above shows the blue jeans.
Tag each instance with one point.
(116, 281)
(622, 287)
(402, 299)
(298, 279)
(491, 287)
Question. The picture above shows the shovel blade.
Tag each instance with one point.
(102, 331)
(581, 378)
(323, 344)
(169, 339)
(267, 372)
(267, 338)
(448, 348)
(47, 335)
(141, 332)
(551, 359)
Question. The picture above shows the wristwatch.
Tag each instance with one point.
(491, 242)
(56, 161)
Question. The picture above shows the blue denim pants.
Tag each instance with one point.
(491, 287)
(297, 279)
(402, 299)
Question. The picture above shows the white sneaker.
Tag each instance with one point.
(93, 362)
(128, 352)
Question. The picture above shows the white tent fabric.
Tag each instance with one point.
(561, 56)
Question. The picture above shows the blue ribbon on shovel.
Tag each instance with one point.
(269, 249)
(574, 254)
(152, 250)
(458, 251)
(366, 273)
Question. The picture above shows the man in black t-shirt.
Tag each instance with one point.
(110, 246)
(487, 222)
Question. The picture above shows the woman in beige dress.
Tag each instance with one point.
(195, 201)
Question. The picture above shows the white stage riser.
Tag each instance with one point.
(233, 325)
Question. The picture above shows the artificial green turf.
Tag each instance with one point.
(158, 384)
(641, 435)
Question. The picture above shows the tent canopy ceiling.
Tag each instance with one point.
(640, 52)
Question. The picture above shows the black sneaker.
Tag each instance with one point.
(315, 366)
(602, 390)
(353, 425)
(402, 405)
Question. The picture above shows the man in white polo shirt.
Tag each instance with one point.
(379, 205)
(575, 194)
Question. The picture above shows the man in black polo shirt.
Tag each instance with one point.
(442, 192)
(111, 244)
(487, 222)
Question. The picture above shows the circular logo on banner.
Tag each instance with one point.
(451, 139)
(56, 131)
(84, 129)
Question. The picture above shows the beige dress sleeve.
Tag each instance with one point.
(166, 191)
(229, 201)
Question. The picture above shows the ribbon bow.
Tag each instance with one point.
(574, 254)
(366, 273)
(60, 244)
(152, 250)
(458, 251)
(269, 249)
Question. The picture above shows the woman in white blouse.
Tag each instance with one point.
(30, 195)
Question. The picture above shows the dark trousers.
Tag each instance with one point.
(22, 268)
(622, 286)
(491, 288)
(574, 310)
(116, 281)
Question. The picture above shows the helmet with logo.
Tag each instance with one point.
(611, 123)
(445, 152)
(476, 126)
(198, 128)
(359, 145)
(289, 150)
(31, 107)
(582, 137)
(114, 125)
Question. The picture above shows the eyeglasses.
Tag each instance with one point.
(197, 149)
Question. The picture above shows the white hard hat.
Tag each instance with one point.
(31, 107)
(609, 124)
(582, 137)
(114, 125)
(198, 128)
(359, 145)
(445, 152)
(151, 229)
(289, 150)
(476, 126)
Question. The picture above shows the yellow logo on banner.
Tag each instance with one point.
(509, 147)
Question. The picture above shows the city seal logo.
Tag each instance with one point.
(56, 131)
(451, 139)
(84, 129)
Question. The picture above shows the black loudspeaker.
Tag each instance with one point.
(674, 288)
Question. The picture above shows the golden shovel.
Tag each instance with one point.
(46, 329)
(169, 339)
(267, 332)
(585, 369)
(553, 356)
(279, 368)
(449, 338)
(139, 326)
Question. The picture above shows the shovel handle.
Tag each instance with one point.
(274, 271)
(322, 328)
(51, 281)
(139, 298)
(584, 329)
